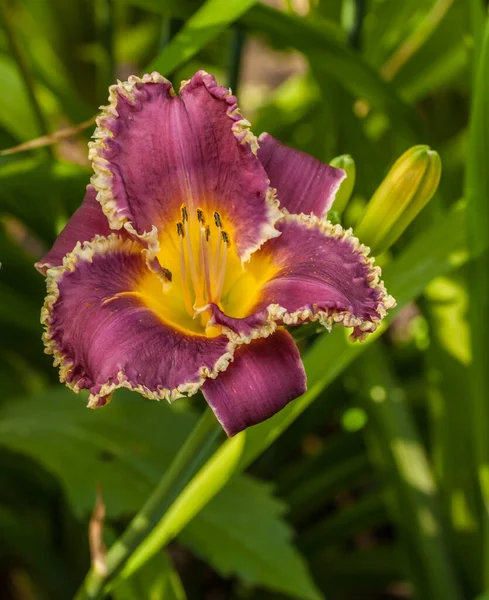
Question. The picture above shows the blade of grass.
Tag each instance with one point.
(477, 194)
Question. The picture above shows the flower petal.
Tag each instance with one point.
(103, 336)
(264, 376)
(303, 183)
(322, 274)
(87, 222)
(156, 151)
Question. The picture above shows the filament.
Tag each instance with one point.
(202, 263)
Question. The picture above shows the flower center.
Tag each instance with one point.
(203, 268)
(203, 253)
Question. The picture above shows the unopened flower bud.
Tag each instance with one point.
(345, 162)
(408, 187)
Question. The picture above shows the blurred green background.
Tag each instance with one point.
(378, 489)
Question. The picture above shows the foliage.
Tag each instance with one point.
(373, 484)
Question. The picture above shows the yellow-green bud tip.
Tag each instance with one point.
(408, 187)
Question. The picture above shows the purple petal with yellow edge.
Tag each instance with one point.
(105, 335)
(87, 222)
(303, 183)
(319, 272)
(264, 376)
(156, 151)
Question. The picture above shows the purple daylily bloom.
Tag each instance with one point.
(195, 245)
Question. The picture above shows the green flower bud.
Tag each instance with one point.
(408, 187)
(345, 162)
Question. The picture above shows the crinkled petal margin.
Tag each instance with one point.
(86, 252)
(265, 319)
(106, 133)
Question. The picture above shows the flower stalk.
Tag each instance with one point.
(188, 461)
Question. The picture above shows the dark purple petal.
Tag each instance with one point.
(104, 341)
(87, 222)
(264, 376)
(323, 274)
(156, 151)
(303, 183)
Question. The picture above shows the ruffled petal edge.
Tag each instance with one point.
(85, 252)
(266, 321)
(101, 180)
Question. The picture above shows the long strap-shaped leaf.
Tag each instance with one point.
(477, 193)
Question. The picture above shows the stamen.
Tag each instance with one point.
(183, 270)
(204, 250)
(203, 268)
(193, 270)
(167, 273)
(183, 208)
(222, 267)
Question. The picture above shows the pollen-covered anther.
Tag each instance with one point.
(184, 213)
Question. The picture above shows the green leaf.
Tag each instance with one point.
(211, 19)
(15, 111)
(448, 358)
(121, 447)
(477, 194)
(125, 448)
(157, 580)
(257, 547)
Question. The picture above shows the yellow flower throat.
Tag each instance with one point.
(200, 258)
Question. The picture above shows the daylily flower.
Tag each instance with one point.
(195, 245)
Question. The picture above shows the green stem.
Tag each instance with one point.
(18, 55)
(104, 23)
(187, 462)
(236, 55)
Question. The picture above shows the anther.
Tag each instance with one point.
(217, 219)
(184, 213)
(180, 230)
(167, 274)
(200, 216)
(225, 237)
(207, 233)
